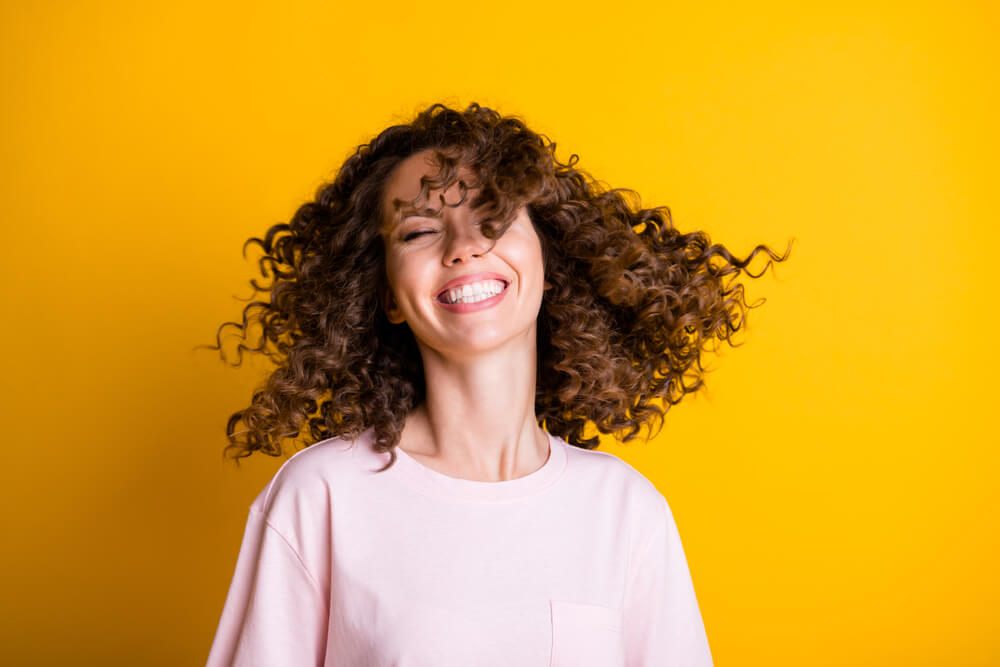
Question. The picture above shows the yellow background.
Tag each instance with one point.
(835, 486)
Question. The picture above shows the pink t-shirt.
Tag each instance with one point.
(578, 563)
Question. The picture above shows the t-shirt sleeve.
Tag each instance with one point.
(274, 613)
(663, 624)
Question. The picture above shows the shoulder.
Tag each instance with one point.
(605, 474)
(605, 479)
(310, 475)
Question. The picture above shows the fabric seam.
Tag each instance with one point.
(298, 558)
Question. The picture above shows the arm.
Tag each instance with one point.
(663, 625)
(274, 613)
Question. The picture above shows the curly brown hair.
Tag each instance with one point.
(633, 305)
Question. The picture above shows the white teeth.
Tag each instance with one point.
(473, 292)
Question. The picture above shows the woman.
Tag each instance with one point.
(448, 315)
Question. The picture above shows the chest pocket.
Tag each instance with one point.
(586, 634)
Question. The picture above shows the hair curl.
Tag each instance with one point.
(633, 305)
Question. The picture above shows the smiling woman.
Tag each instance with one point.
(459, 290)
(449, 314)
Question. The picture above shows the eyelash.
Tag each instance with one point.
(419, 232)
(412, 235)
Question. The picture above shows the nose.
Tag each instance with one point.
(465, 242)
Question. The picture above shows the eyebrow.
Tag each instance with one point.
(407, 212)
(395, 223)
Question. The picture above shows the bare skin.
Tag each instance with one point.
(478, 421)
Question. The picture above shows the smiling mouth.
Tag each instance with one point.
(443, 297)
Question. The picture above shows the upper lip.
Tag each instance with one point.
(471, 278)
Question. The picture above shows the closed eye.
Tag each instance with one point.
(413, 235)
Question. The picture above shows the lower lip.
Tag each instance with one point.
(472, 307)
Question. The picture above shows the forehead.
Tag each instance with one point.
(403, 185)
(404, 179)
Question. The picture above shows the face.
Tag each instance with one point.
(426, 255)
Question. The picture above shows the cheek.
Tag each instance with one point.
(399, 269)
(410, 277)
(395, 279)
(390, 276)
(528, 257)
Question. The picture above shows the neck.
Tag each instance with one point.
(478, 420)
